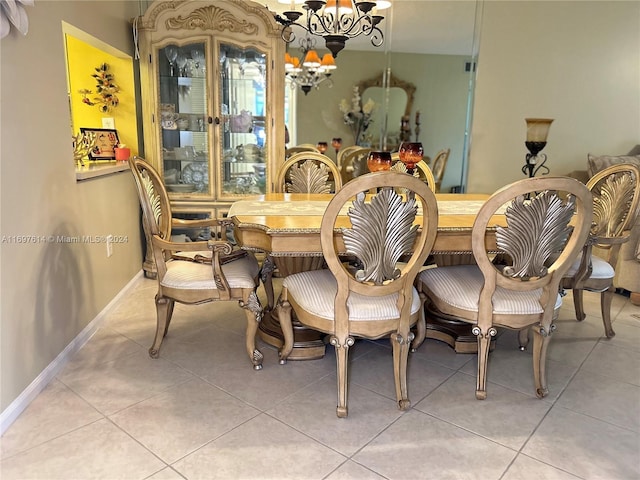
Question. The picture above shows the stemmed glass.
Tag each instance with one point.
(198, 60)
(322, 146)
(410, 154)
(181, 61)
(171, 51)
(379, 161)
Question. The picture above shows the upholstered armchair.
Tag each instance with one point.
(194, 272)
(627, 268)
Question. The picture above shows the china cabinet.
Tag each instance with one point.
(212, 85)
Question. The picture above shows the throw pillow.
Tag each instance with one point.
(597, 164)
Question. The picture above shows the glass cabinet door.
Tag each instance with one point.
(242, 134)
(183, 119)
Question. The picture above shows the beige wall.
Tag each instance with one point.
(577, 62)
(51, 291)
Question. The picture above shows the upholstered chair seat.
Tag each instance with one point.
(240, 273)
(316, 291)
(467, 282)
(600, 269)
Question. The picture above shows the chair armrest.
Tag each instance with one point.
(219, 246)
(199, 222)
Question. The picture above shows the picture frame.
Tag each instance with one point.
(106, 141)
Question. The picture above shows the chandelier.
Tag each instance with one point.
(308, 71)
(336, 20)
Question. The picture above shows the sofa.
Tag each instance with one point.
(628, 268)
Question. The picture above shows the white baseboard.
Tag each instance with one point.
(13, 411)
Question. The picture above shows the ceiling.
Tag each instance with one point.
(417, 26)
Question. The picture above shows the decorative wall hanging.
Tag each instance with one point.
(106, 90)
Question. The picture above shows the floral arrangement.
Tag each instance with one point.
(106, 90)
(357, 116)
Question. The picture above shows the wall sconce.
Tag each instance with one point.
(537, 131)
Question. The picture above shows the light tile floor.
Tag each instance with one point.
(201, 412)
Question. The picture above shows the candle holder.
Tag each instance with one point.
(410, 154)
(379, 161)
(537, 132)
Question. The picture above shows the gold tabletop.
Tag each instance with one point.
(287, 224)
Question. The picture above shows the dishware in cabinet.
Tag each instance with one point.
(212, 84)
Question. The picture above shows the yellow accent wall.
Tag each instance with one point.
(82, 60)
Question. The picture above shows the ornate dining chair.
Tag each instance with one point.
(308, 172)
(548, 221)
(616, 202)
(422, 171)
(344, 152)
(377, 299)
(303, 147)
(194, 272)
(439, 165)
(354, 163)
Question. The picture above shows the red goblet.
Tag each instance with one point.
(378, 161)
(410, 154)
(322, 146)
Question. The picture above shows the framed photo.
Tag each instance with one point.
(106, 140)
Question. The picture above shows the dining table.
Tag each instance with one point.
(286, 228)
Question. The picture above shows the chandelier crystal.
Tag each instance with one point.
(309, 70)
(336, 21)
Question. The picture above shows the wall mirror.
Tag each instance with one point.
(431, 44)
(395, 100)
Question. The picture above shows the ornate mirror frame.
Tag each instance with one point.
(386, 81)
(378, 81)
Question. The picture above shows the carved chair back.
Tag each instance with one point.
(154, 201)
(383, 228)
(308, 172)
(439, 165)
(303, 147)
(353, 163)
(422, 171)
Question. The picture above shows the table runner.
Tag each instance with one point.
(317, 207)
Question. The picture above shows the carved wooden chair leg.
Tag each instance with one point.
(400, 346)
(171, 304)
(540, 344)
(163, 309)
(266, 275)
(283, 310)
(253, 312)
(523, 338)
(342, 357)
(484, 341)
(577, 303)
(605, 308)
(421, 325)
